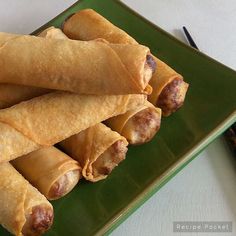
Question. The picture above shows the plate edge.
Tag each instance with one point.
(159, 182)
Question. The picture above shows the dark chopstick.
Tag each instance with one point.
(230, 134)
(189, 38)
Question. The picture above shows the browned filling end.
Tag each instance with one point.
(149, 68)
(110, 159)
(142, 127)
(39, 221)
(150, 61)
(172, 96)
(64, 184)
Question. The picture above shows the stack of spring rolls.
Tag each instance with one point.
(90, 91)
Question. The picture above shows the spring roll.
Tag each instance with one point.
(169, 88)
(51, 118)
(24, 210)
(51, 171)
(139, 125)
(11, 94)
(98, 149)
(77, 66)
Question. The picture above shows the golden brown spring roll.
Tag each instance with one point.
(24, 210)
(51, 171)
(53, 117)
(139, 125)
(77, 66)
(98, 149)
(11, 94)
(169, 89)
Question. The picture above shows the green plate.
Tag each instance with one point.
(95, 209)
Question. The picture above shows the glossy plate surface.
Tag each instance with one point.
(95, 209)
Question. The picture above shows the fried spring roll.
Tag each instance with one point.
(11, 94)
(77, 66)
(169, 88)
(24, 210)
(51, 171)
(51, 118)
(139, 125)
(98, 149)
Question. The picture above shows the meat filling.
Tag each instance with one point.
(39, 221)
(142, 127)
(64, 184)
(110, 159)
(149, 68)
(172, 96)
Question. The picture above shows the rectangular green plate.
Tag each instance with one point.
(95, 209)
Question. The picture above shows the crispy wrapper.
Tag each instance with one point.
(93, 67)
(14, 144)
(87, 24)
(23, 209)
(139, 125)
(51, 118)
(11, 94)
(51, 171)
(52, 32)
(168, 86)
(98, 149)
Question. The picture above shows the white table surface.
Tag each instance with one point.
(205, 190)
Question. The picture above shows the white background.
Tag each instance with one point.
(205, 190)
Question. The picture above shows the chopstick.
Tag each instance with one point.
(189, 38)
(230, 134)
